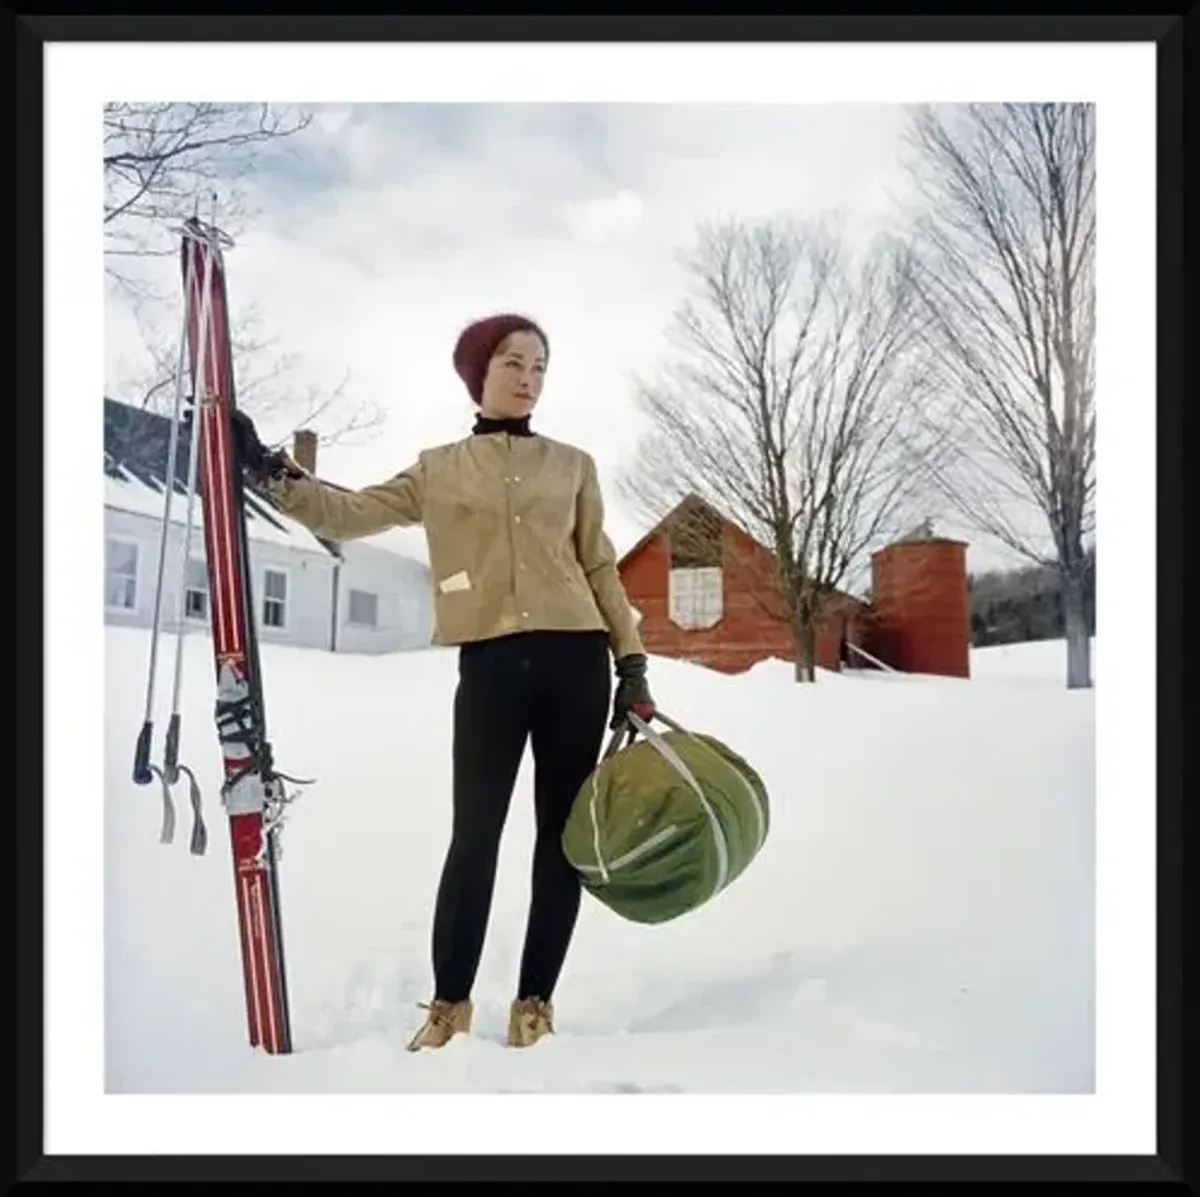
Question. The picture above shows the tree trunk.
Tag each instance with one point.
(1079, 656)
(806, 649)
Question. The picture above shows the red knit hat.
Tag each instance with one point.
(478, 342)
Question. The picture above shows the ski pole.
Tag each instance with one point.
(171, 766)
(168, 774)
(143, 771)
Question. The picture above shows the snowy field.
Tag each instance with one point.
(920, 919)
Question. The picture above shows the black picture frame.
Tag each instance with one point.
(1170, 34)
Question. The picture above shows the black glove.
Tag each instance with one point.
(633, 692)
(253, 456)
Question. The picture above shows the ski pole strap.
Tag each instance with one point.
(167, 834)
(199, 840)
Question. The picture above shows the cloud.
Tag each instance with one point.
(605, 218)
(384, 228)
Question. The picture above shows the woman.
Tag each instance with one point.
(526, 584)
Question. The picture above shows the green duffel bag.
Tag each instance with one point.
(665, 822)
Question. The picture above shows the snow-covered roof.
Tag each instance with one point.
(136, 444)
(124, 492)
(408, 542)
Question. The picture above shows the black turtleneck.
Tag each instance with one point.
(513, 426)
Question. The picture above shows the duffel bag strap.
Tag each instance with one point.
(627, 731)
(635, 725)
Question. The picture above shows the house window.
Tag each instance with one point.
(696, 582)
(195, 595)
(274, 598)
(120, 574)
(364, 608)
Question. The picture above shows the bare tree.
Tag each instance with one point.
(1005, 248)
(265, 383)
(787, 408)
(160, 160)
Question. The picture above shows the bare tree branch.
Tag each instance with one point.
(265, 383)
(160, 159)
(789, 406)
(1005, 270)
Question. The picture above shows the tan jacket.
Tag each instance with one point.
(515, 527)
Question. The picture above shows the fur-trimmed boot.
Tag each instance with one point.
(528, 1020)
(444, 1021)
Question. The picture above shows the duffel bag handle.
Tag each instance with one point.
(635, 725)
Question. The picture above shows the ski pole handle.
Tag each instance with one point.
(171, 751)
(141, 759)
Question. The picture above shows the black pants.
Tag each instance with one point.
(552, 690)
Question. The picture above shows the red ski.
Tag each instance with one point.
(252, 791)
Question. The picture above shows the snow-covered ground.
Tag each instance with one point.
(920, 919)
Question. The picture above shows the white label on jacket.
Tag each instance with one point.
(459, 581)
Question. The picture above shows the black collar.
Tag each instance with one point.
(514, 427)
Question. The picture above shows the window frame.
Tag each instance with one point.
(266, 599)
(136, 579)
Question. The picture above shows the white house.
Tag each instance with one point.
(365, 596)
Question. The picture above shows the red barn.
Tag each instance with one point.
(708, 592)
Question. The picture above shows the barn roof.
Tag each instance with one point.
(694, 500)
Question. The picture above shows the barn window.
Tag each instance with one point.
(696, 597)
(696, 583)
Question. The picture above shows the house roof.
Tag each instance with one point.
(136, 451)
(406, 541)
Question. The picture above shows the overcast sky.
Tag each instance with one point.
(383, 229)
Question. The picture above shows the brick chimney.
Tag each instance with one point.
(304, 449)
